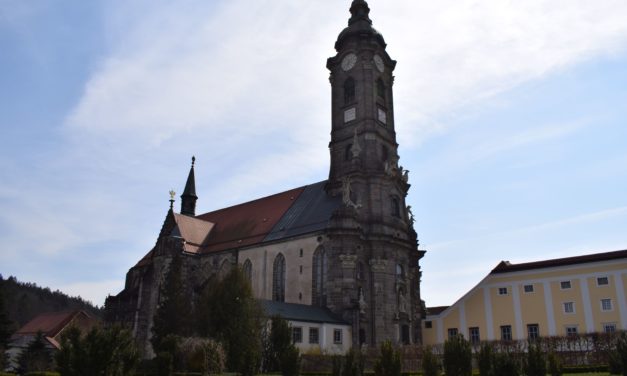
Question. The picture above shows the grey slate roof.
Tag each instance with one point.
(300, 312)
(311, 212)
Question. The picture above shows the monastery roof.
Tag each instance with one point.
(50, 324)
(300, 312)
(506, 266)
(283, 215)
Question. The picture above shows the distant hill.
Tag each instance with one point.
(23, 301)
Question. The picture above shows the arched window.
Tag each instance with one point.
(348, 152)
(349, 90)
(384, 153)
(278, 279)
(248, 270)
(380, 89)
(225, 268)
(396, 208)
(319, 273)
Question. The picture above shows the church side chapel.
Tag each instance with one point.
(338, 257)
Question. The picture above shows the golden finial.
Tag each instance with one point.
(172, 194)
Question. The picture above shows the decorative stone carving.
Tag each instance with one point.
(346, 194)
(355, 149)
(378, 265)
(362, 302)
(348, 261)
(410, 215)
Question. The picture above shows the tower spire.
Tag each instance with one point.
(188, 198)
(359, 11)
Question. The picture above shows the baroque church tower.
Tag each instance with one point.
(374, 275)
(341, 255)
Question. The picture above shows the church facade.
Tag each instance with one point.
(345, 245)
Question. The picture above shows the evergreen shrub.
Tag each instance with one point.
(457, 357)
(430, 366)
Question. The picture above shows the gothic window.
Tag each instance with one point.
(348, 152)
(248, 270)
(349, 90)
(318, 277)
(278, 279)
(380, 89)
(384, 153)
(396, 207)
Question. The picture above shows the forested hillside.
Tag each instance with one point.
(23, 301)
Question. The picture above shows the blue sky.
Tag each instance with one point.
(511, 118)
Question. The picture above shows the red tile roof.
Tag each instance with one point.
(195, 231)
(50, 324)
(506, 266)
(248, 223)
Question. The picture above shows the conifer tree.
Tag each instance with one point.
(35, 357)
(5, 324)
(228, 312)
(174, 310)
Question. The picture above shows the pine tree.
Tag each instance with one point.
(276, 343)
(35, 357)
(174, 311)
(228, 312)
(6, 325)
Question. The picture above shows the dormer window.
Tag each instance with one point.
(349, 90)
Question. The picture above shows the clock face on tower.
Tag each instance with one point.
(349, 62)
(378, 62)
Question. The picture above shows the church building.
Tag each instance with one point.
(343, 248)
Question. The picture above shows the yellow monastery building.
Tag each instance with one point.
(559, 297)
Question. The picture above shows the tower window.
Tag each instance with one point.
(278, 279)
(396, 209)
(349, 90)
(382, 115)
(380, 89)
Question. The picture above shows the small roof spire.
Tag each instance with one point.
(188, 198)
(172, 194)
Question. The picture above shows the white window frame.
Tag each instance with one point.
(506, 329)
(337, 336)
(296, 329)
(532, 288)
(474, 335)
(606, 325)
(610, 307)
(317, 339)
(568, 327)
(572, 306)
(607, 281)
(452, 332)
(562, 283)
(537, 329)
(502, 291)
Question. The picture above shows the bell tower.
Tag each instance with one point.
(362, 134)
(373, 276)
